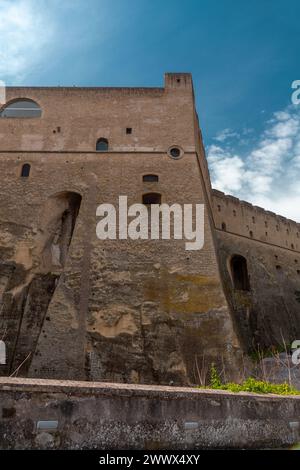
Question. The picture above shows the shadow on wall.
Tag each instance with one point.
(27, 292)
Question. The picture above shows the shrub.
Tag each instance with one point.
(215, 379)
(250, 385)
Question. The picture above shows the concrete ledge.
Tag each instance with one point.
(73, 386)
(90, 415)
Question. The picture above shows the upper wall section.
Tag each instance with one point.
(242, 218)
(74, 118)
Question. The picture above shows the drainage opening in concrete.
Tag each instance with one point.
(47, 426)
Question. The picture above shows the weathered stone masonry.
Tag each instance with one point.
(75, 307)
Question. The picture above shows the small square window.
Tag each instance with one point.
(128, 130)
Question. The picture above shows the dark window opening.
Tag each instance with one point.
(223, 226)
(251, 234)
(23, 108)
(239, 273)
(278, 267)
(151, 198)
(25, 170)
(175, 152)
(128, 130)
(219, 208)
(102, 145)
(150, 178)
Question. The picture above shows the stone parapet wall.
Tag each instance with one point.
(37, 414)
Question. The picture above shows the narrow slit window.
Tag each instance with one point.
(25, 172)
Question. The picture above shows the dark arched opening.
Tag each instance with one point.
(239, 272)
(151, 198)
(102, 145)
(25, 172)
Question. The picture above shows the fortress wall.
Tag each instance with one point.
(122, 310)
(241, 218)
(158, 118)
(101, 416)
(119, 310)
(267, 317)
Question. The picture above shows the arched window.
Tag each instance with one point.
(223, 226)
(2, 353)
(102, 145)
(25, 170)
(22, 108)
(151, 198)
(239, 272)
(150, 178)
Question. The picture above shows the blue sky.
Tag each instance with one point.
(243, 56)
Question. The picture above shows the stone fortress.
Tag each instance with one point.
(141, 311)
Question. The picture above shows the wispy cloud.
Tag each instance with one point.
(269, 174)
(25, 29)
(225, 134)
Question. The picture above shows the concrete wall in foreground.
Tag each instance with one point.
(96, 415)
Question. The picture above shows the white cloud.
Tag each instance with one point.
(25, 29)
(225, 134)
(269, 174)
(228, 169)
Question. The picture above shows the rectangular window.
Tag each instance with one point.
(150, 178)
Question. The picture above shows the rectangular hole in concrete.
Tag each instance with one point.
(47, 425)
(190, 425)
